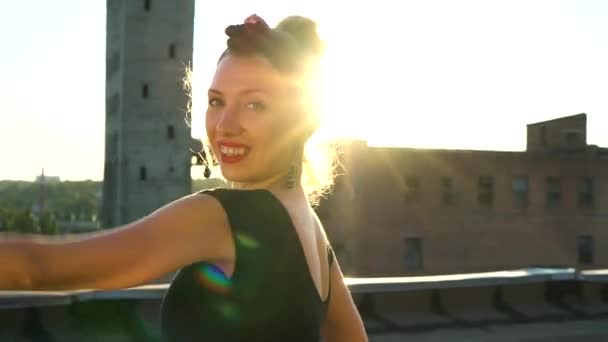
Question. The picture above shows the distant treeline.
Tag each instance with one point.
(63, 201)
(202, 184)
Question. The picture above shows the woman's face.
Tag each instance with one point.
(252, 119)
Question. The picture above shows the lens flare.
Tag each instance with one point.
(213, 278)
(246, 240)
(228, 310)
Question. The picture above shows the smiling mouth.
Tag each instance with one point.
(232, 154)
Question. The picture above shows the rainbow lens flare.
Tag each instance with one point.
(213, 278)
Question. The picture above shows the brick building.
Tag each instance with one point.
(403, 211)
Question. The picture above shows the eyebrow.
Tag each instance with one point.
(242, 92)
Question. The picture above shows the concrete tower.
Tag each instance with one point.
(147, 157)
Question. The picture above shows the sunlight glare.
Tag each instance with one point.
(343, 114)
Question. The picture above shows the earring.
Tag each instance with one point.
(207, 172)
(291, 175)
(214, 161)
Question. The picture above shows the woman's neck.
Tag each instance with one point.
(275, 184)
(269, 183)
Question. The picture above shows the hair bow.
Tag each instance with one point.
(249, 35)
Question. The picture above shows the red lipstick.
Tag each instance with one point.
(231, 152)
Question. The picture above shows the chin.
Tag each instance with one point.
(234, 175)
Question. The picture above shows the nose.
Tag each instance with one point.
(228, 122)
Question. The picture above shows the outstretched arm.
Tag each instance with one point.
(15, 262)
(343, 322)
(187, 230)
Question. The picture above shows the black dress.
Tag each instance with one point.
(271, 295)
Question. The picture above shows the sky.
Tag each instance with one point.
(431, 74)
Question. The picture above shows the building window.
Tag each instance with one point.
(412, 189)
(520, 191)
(147, 5)
(585, 192)
(553, 192)
(170, 132)
(172, 51)
(585, 249)
(448, 196)
(485, 190)
(412, 253)
(145, 91)
(143, 173)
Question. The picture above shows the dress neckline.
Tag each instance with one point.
(295, 235)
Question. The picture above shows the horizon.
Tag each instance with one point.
(435, 75)
(201, 178)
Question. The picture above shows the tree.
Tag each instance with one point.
(6, 216)
(47, 224)
(61, 200)
(23, 223)
(203, 184)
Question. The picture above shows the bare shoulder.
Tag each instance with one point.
(343, 321)
(190, 229)
(198, 222)
(183, 226)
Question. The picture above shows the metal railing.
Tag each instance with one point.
(24, 299)
(437, 292)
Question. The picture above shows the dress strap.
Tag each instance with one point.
(330, 261)
(330, 255)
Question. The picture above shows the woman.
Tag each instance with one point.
(254, 263)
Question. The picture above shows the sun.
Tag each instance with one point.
(341, 104)
(363, 90)
(357, 94)
(351, 89)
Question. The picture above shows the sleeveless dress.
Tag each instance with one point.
(271, 295)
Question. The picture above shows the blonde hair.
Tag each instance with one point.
(319, 168)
